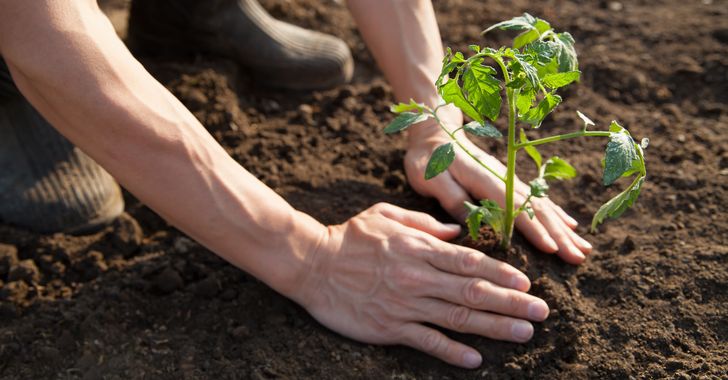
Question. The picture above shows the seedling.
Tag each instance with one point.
(540, 62)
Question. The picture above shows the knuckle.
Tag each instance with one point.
(459, 317)
(431, 341)
(380, 207)
(408, 277)
(476, 291)
(513, 302)
(469, 261)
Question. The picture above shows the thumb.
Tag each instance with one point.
(423, 222)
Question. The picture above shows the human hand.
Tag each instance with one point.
(551, 230)
(380, 275)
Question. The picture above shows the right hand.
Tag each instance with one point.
(378, 277)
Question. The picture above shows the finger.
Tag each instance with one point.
(571, 222)
(536, 233)
(556, 228)
(451, 195)
(468, 262)
(581, 243)
(480, 294)
(435, 343)
(421, 221)
(466, 320)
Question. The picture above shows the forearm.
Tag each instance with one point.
(405, 40)
(82, 79)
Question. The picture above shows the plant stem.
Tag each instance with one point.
(468, 152)
(563, 137)
(510, 167)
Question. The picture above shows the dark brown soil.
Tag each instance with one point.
(140, 300)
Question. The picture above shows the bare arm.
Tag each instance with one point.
(68, 61)
(374, 278)
(404, 38)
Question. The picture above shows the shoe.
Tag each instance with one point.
(280, 54)
(46, 184)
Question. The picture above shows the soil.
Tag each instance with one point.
(141, 300)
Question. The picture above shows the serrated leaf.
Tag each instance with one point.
(558, 80)
(525, 100)
(451, 93)
(557, 168)
(407, 107)
(619, 204)
(567, 56)
(473, 220)
(404, 121)
(538, 187)
(536, 115)
(440, 160)
(531, 151)
(449, 63)
(587, 121)
(542, 52)
(474, 48)
(531, 35)
(619, 158)
(483, 90)
(524, 22)
(482, 130)
(521, 67)
(488, 212)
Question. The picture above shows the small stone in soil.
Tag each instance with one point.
(207, 287)
(25, 271)
(167, 281)
(8, 258)
(15, 291)
(240, 332)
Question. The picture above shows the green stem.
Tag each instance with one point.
(563, 137)
(523, 206)
(510, 165)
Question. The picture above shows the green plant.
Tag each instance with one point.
(540, 62)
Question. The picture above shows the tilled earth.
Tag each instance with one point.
(140, 300)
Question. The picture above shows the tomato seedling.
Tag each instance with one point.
(540, 62)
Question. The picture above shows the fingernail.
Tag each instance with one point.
(538, 310)
(553, 247)
(522, 330)
(452, 226)
(472, 359)
(578, 253)
(520, 282)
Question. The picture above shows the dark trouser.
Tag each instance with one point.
(7, 87)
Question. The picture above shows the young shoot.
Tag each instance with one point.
(528, 74)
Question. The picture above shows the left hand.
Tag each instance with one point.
(551, 230)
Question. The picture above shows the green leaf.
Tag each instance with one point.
(483, 90)
(541, 52)
(440, 160)
(525, 100)
(536, 115)
(529, 36)
(483, 130)
(407, 107)
(473, 220)
(488, 212)
(524, 22)
(556, 168)
(558, 80)
(587, 121)
(621, 155)
(539, 187)
(567, 56)
(451, 93)
(521, 67)
(531, 150)
(449, 63)
(530, 212)
(404, 120)
(619, 204)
